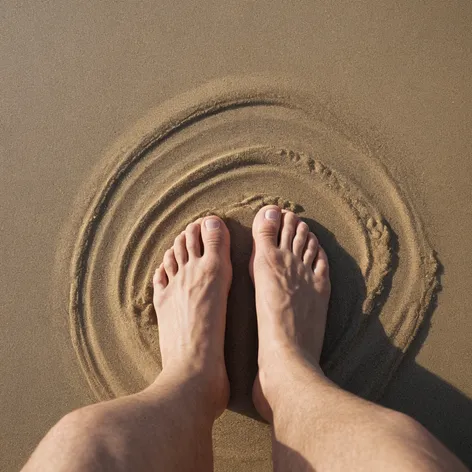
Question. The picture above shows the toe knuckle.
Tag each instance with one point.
(267, 231)
(192, 228)
(214, 241)
(309, 254)
(324, 270)
(212, 265)
(192, 244)
(313, 241)
(303, 227)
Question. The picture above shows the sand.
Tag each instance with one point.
(107, 154)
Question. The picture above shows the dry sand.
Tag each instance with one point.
(83, 228)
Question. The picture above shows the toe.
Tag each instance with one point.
(160, 278)
(299, 241)
(311, 250)
(180, 250)
(215, 236)
(192, 239)
(289, 227)
(170, 264)
(321, 269)
(321, 264)
(265, 228)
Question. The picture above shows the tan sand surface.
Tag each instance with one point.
(122, 123)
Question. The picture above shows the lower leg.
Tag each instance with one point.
(320, 426)
(166, 427)
(315, 424)
(145, 431)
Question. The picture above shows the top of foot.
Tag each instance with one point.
(190, 295)
(291, 277)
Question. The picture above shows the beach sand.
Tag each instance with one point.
(122, 124)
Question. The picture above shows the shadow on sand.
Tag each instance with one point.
(413, 390)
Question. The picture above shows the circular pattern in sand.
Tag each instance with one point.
(230, 148)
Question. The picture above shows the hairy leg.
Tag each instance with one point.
(166, 427)
(315, 424)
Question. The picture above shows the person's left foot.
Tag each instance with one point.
(190, 295)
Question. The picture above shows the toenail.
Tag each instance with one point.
(212, 224)
(272, 215)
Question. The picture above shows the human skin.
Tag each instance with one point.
(316, 426)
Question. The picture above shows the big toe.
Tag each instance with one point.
(215, 237)
(266, 225)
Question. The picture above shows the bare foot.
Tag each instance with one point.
(291, 277)
(190, 295)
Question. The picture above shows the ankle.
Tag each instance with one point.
(284, 371)
(206, 388)
(285, 359)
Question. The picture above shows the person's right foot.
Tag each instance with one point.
(291, 277)
(190, 296)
